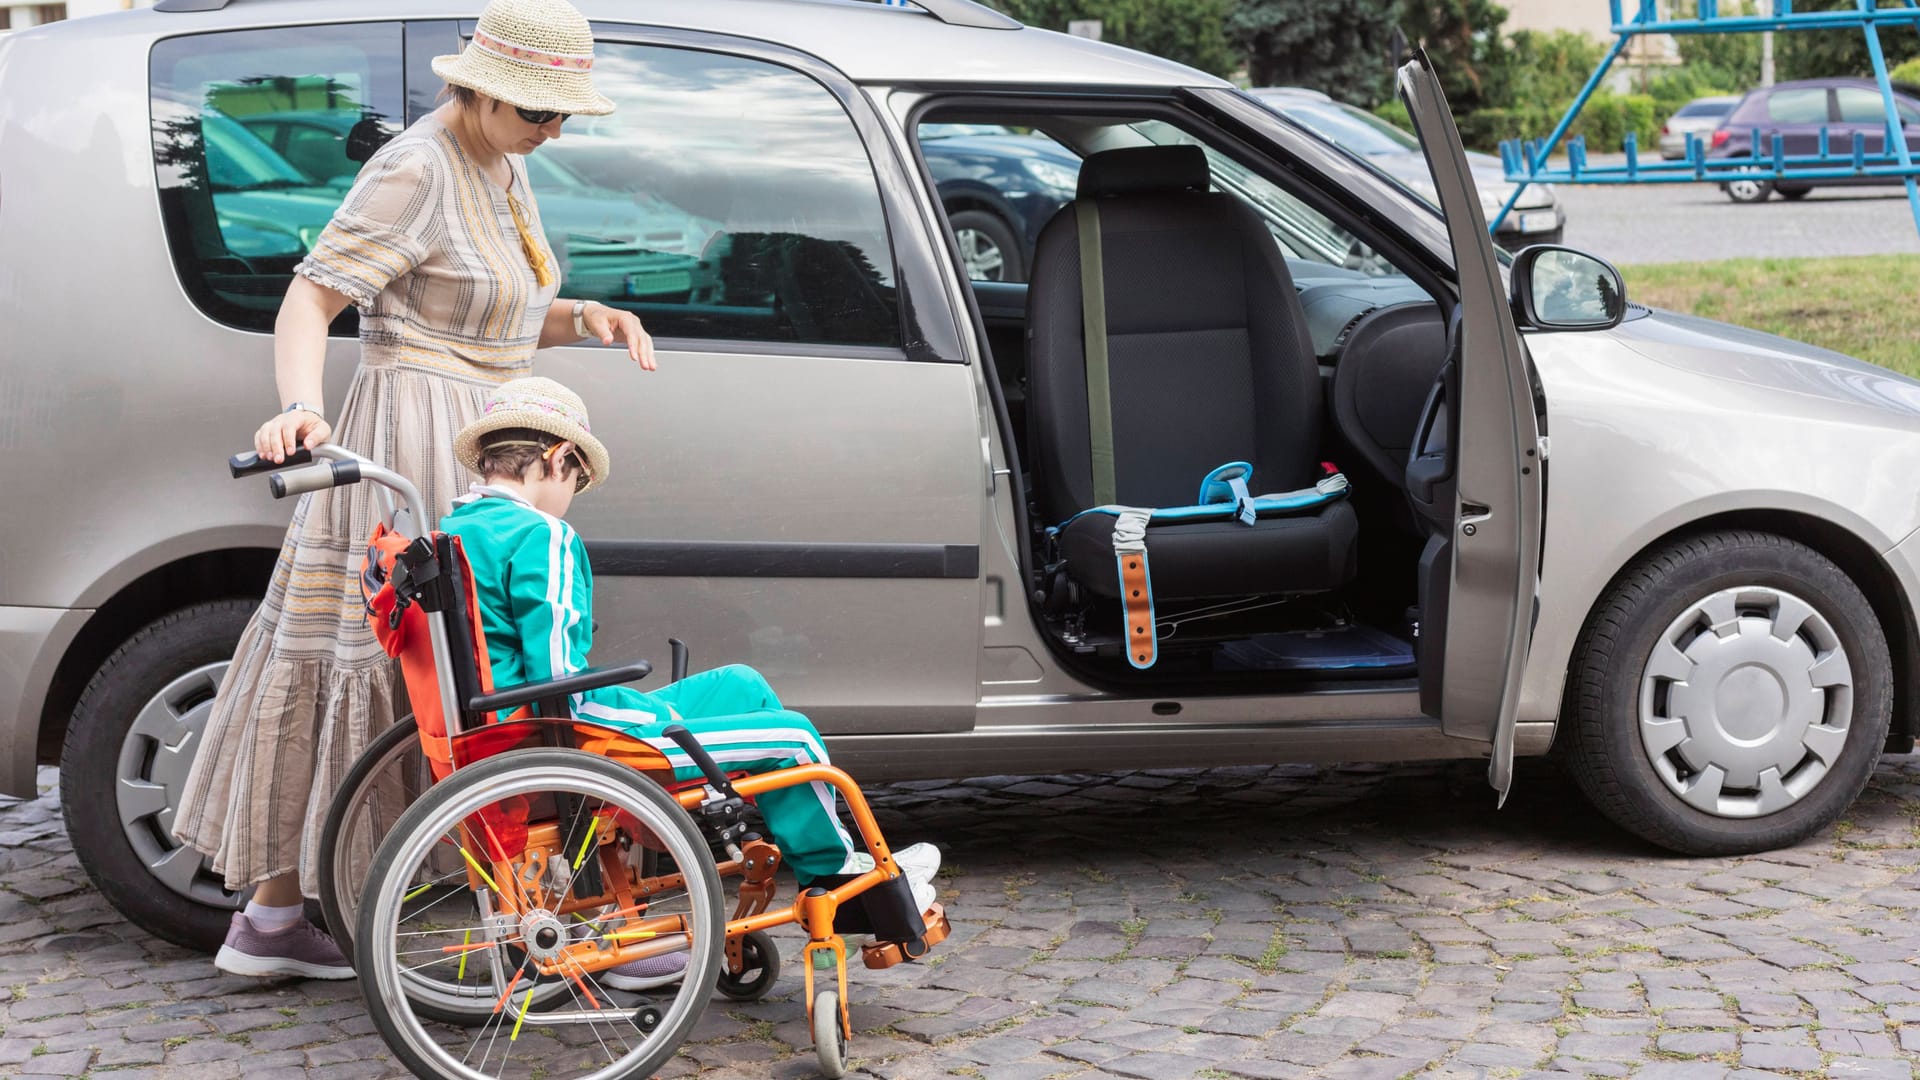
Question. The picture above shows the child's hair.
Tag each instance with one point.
(509, 452)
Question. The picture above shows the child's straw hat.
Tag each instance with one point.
(536, 54)
(540, 405)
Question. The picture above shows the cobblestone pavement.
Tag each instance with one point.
(1263, 922)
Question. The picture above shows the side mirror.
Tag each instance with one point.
(1557, 288)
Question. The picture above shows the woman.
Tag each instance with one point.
(439, 245)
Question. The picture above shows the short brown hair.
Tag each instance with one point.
(466, 96)
(510, 452)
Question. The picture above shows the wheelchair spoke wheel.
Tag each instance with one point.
(515, 882)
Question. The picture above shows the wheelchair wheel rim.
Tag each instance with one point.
(490, 1052)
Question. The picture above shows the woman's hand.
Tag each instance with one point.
(611, 323)
(290, 431)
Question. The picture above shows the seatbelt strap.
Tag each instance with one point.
(1093, 331)
(1136, 585)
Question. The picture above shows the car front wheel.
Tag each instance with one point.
(987, 247)
(1748, 191)
(1731, 694)
(132, 739)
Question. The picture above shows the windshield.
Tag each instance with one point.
(1351, 129)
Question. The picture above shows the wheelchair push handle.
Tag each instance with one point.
(679, 649)
(252, 464)
(314, 477)
(711, 768)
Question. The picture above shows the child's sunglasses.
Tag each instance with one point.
(540, 117)
(579, 461)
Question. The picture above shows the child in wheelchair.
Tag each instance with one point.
(534, 451)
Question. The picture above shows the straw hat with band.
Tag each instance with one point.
(534, 54)
(536, 404)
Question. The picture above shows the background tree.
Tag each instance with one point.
(1339, 47)
(1186, 31)
(1469, 51)
(1813, 54)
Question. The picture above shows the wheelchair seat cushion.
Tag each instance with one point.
(1294, 553)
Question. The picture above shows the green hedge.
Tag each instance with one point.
(1605, 122)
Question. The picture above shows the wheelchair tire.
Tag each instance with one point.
(380, 945)
(761, 969)
(829, 1038)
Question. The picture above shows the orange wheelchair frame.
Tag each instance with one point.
(421, 603)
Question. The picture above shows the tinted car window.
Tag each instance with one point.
(239, 214)
(724, 198)
(1804, 106)
(1858, 105)
(1705, 108)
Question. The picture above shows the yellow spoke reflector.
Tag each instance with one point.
(632, 935)
(586, 843)
(484, 876)
(416, 892)
(526, 1005)
(465, 939)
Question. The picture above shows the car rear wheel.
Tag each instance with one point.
(1748, 191)
(1793, 194)
(1731, 694)
(987, 247)
(132, 739)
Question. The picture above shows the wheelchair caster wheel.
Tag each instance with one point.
(829, 1040)
(646, 1018)
(759, 970)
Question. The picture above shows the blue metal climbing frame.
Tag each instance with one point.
(1526, 161)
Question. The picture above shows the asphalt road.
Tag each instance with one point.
(1656, 223)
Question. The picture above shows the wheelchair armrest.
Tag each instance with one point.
(591, 679)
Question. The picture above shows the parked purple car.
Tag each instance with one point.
(1797, 111)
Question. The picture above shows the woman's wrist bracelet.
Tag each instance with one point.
(579, 318)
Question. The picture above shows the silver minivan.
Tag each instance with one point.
(968, 526)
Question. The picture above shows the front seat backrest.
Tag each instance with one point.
(1208, 355)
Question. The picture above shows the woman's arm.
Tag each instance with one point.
(608, 324)
(299, 358)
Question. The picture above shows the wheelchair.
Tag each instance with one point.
(484, 875)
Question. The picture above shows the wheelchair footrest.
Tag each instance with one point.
(885, 954)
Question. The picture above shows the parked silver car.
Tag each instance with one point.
(1697, 118)
(1684, 551)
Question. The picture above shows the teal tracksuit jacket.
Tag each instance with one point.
(535, 592)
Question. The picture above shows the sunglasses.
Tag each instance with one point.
(579, 461)
(540, 117)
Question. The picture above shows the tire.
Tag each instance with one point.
(1793, 194)
(1629, 688)
(380, 944)
(988, 246)
(762, 969)
(1748, 191)
(140, 720)
(829, 1040)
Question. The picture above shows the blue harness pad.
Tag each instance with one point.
(1224, 496)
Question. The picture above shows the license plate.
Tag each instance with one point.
(665, 281)
(1537, 221)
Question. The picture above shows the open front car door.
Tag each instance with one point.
(1479, 448)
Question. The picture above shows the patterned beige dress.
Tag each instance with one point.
(427, 247)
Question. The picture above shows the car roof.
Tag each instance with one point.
(869, 42)
(1301, 92)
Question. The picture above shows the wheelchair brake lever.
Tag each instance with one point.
(715, 778)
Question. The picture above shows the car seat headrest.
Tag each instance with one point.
(1140, 169)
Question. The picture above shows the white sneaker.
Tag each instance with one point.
(924, 895)
(919, 862)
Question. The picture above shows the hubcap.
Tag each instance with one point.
(1744, 189)
(984, 259)
(1745, 702)
(154, 759)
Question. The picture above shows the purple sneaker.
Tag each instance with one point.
(301, 950)
(647, 973)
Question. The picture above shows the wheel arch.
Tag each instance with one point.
(223, 574)
(1855, 557)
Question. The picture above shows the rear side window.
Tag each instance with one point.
(1859, 105)
(1805, 106)
(724, 197)
(257, 135)
(1706, 108)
